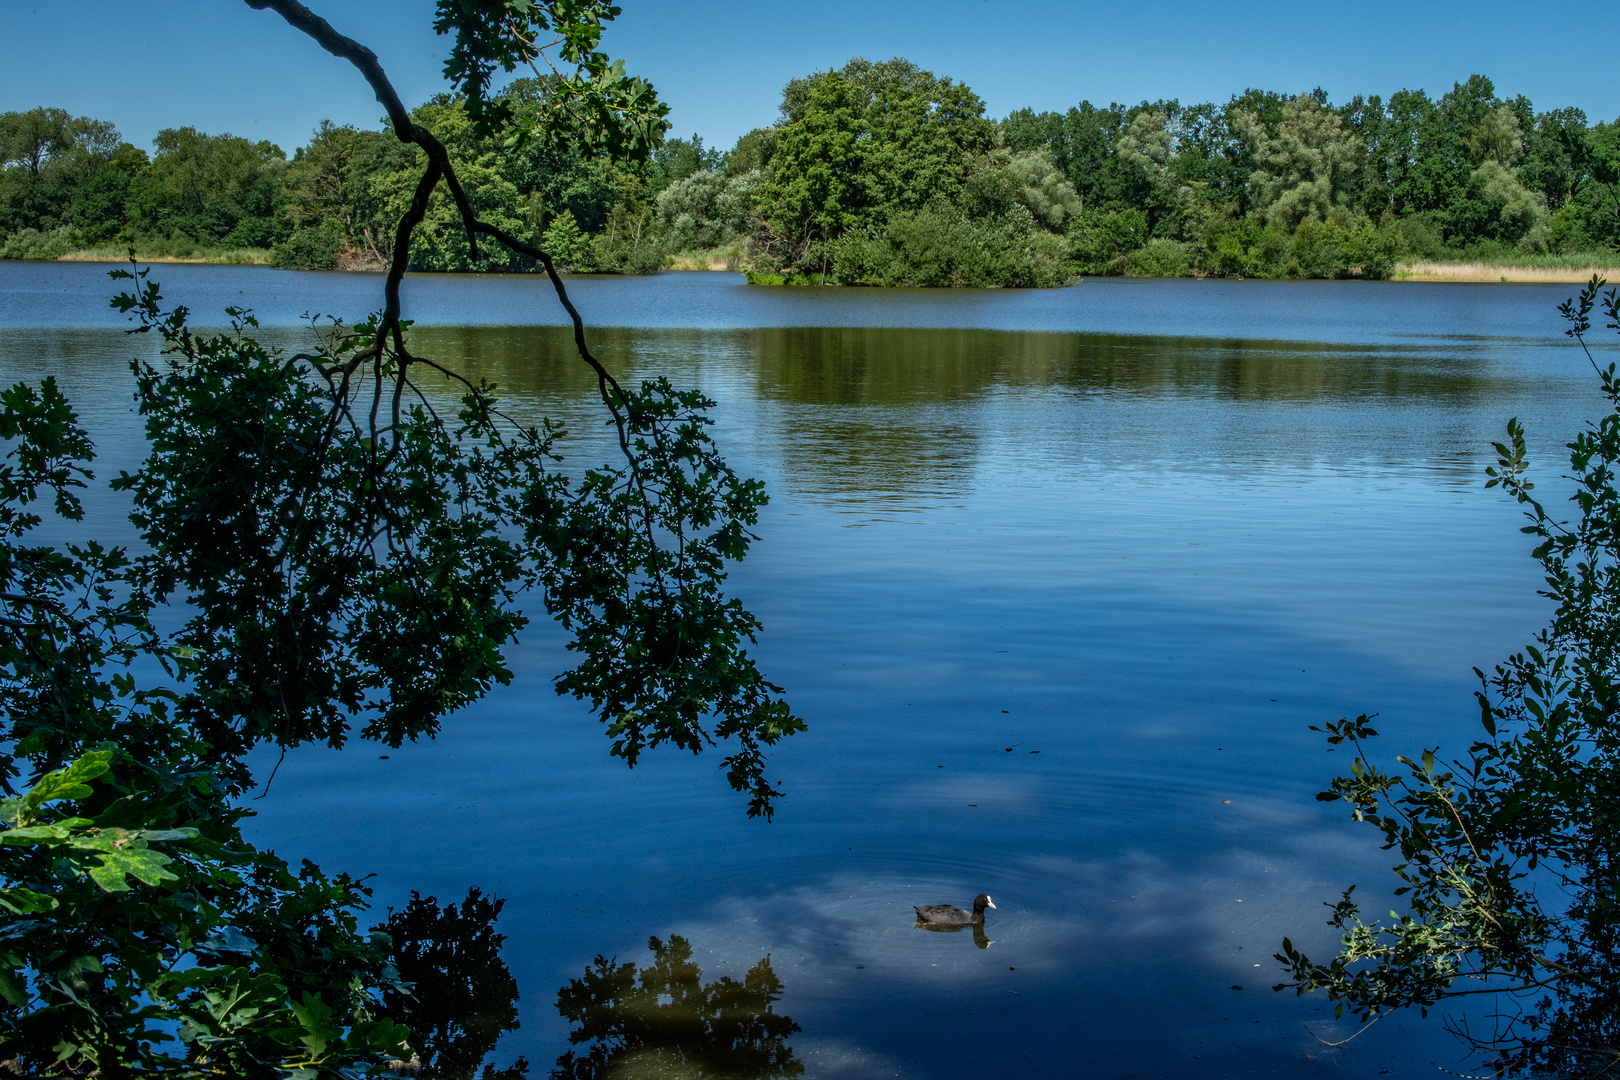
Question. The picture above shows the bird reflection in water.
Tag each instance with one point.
(664, 1021)
(977, 928)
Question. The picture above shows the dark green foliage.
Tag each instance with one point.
(310, 247)
(595, 109)
(1508, 852)
(815, 192)
(137, 948)
(1340, 247)
(462, 997)
(1025, 129)
(676, 159)
(632, 563)
(352, 560)
(1100, 237)
(940, 246)
(63, 175)
(72, 176)
(347, 188)
(133, 904)
(335, 540)
(724, 1028)
(886, 174)
(329, 575)
(1596, 199)
(335, 199)
(76, 618)
(753, 151)
(1470, 175)
(211, 188)
(337, 202)
(1085, 151)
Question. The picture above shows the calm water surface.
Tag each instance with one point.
(1059, 580)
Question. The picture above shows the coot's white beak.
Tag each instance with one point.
(988, 902)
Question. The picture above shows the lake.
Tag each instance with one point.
(1059, 581)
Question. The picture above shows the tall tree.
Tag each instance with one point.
(1305, 164)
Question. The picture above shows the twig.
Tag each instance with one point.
(1341, 1042)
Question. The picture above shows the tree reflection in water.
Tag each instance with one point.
(463, 998)
(663, 1021)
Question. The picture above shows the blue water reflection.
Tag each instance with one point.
(1059, 580)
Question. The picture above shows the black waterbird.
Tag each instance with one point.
(951, 915)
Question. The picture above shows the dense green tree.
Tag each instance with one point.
(1024, 130)
(69, 176)
(752, 152)
(1085, 152)
(38, 137)
(333, 198)
(815, 190)
(707, 209)
(211, 188)
(1148, 155)
(1043, 189)
(1415, 171)
(1305, 162)
(1595, 200)
(676, 159)
(926, 135)
(875, 162)
(1554, 151)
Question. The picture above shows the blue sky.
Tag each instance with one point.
(220, 66)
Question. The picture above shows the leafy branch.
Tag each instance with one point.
(1509, 856)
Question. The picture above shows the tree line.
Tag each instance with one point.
(876, 173)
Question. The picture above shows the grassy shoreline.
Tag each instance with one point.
(230, 257)
(1546, 271)
(1529, 270)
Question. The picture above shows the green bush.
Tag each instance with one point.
(1318, 250)
(33, 244)
(609, 254)
(1100, 239)
(256, 232)
(1238, 246)
(791, 277)
(941, 246)
(568, 245)
(312, 247)
(1422, 237)
(1160, 258)
(1341, 247)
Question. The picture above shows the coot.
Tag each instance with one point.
(951, 915)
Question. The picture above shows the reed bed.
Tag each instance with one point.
(1550, 271)
(724, 257)
(225, 257)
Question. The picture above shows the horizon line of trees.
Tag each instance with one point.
(876, 173)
